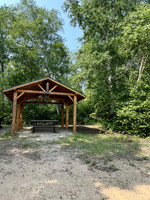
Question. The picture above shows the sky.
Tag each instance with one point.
(70, 34)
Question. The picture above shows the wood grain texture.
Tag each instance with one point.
(14, 113)
(62, 116)
(67, 117)
(74, 114)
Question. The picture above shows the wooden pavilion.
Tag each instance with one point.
(43, 91)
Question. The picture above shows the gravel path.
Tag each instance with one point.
(44, 172)
(34, 167)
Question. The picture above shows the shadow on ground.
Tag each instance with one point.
(88, 129)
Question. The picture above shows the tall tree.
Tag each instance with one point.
(6, 46)
(40, 50)
(100, 61)
(134, 41)
(30, 45)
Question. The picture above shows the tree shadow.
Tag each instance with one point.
(89, 130)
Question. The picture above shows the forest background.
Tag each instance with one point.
(112, 67)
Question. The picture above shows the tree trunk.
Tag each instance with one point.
(141, 69)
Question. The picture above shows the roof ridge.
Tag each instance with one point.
(42, 79)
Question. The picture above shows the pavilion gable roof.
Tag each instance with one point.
(34, 89)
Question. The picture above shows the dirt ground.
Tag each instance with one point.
(34, 167)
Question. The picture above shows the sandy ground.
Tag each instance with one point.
(46, 172)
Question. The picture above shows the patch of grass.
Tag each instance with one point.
(101, 145)
(87, 161)
(7, 135)
(145, 158)
(93, 163)
(25, 145)
(107, 160)
(113, 168)
(142, 158)
(132, 164)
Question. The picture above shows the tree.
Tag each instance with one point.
(6, 46)
(101, 61)
(31, 45)
(39, 50)
(134, 114)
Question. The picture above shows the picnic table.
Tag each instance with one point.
(44, 124)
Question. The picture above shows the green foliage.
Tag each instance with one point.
(30, 48)
(113, 62)
(6, 135)
(40, 111)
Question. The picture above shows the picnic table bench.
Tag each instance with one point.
(44, 124)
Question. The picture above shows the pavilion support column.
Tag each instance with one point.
(67, 116)
(21, 116)
(14, 113)
(62, 116)
(47, 87)
(74, 114)
(18, 117)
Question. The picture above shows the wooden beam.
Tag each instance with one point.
(41, 97)
(23, 100)
(32, 91)
(62, 93)
(18, 117)
(74, 114)
(71, 98)
(20, 95)
(47, 86)
(14, 113)
(62, 116)
(21, 116)
(41, 88)
(59, 99)
(63, 101)
(40, 102)
(67, 117)
(52, 88)
(40, 92)
(27, 84)
(38, 98)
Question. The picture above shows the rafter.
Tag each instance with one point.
(52, 88)
(20, 95)
(71, 98)
(41, 87)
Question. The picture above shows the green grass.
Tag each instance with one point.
(102, 146)
(7, 135)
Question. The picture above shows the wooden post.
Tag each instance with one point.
(47, 87)
(21, 115)
(67, 116)
(14, 113)
(62, 116)
(18, 117)
(74, 114)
